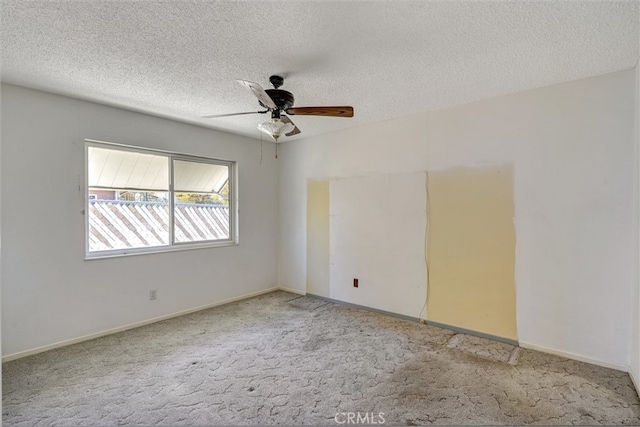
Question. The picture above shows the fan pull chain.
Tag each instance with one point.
(260, 149)
(276, 150)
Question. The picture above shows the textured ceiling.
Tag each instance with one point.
(388, 59)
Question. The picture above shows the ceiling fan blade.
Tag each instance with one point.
(295, 130)
(259, 93)
(342, 111)
(215, 116)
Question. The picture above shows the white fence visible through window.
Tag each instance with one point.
(121, 224)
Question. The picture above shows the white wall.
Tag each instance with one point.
(572, 149)
(50, 294)
(0, 260)
(635, 330)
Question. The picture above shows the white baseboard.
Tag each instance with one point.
(573, 356)
(293, 291)
(634, 379)
(59, 344)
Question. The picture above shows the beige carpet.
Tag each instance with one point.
(285, 359)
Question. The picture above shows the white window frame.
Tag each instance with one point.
(172, 246)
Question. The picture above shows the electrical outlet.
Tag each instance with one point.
(153, 294)
(355, 282)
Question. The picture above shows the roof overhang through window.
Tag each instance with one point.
(127, 170)
(194, 177)
(132, 170)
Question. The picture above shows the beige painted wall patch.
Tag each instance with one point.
(471, 249)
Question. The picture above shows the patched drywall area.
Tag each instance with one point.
(318, 238)
(377, 235)
(471, 249)
(572, 149)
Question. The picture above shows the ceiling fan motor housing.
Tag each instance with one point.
(281, 98)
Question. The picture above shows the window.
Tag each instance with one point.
(141, 201)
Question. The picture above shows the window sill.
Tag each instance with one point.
(156, 250)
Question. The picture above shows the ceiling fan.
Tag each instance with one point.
(278, 101)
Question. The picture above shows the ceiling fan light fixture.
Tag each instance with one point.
(275, 128)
